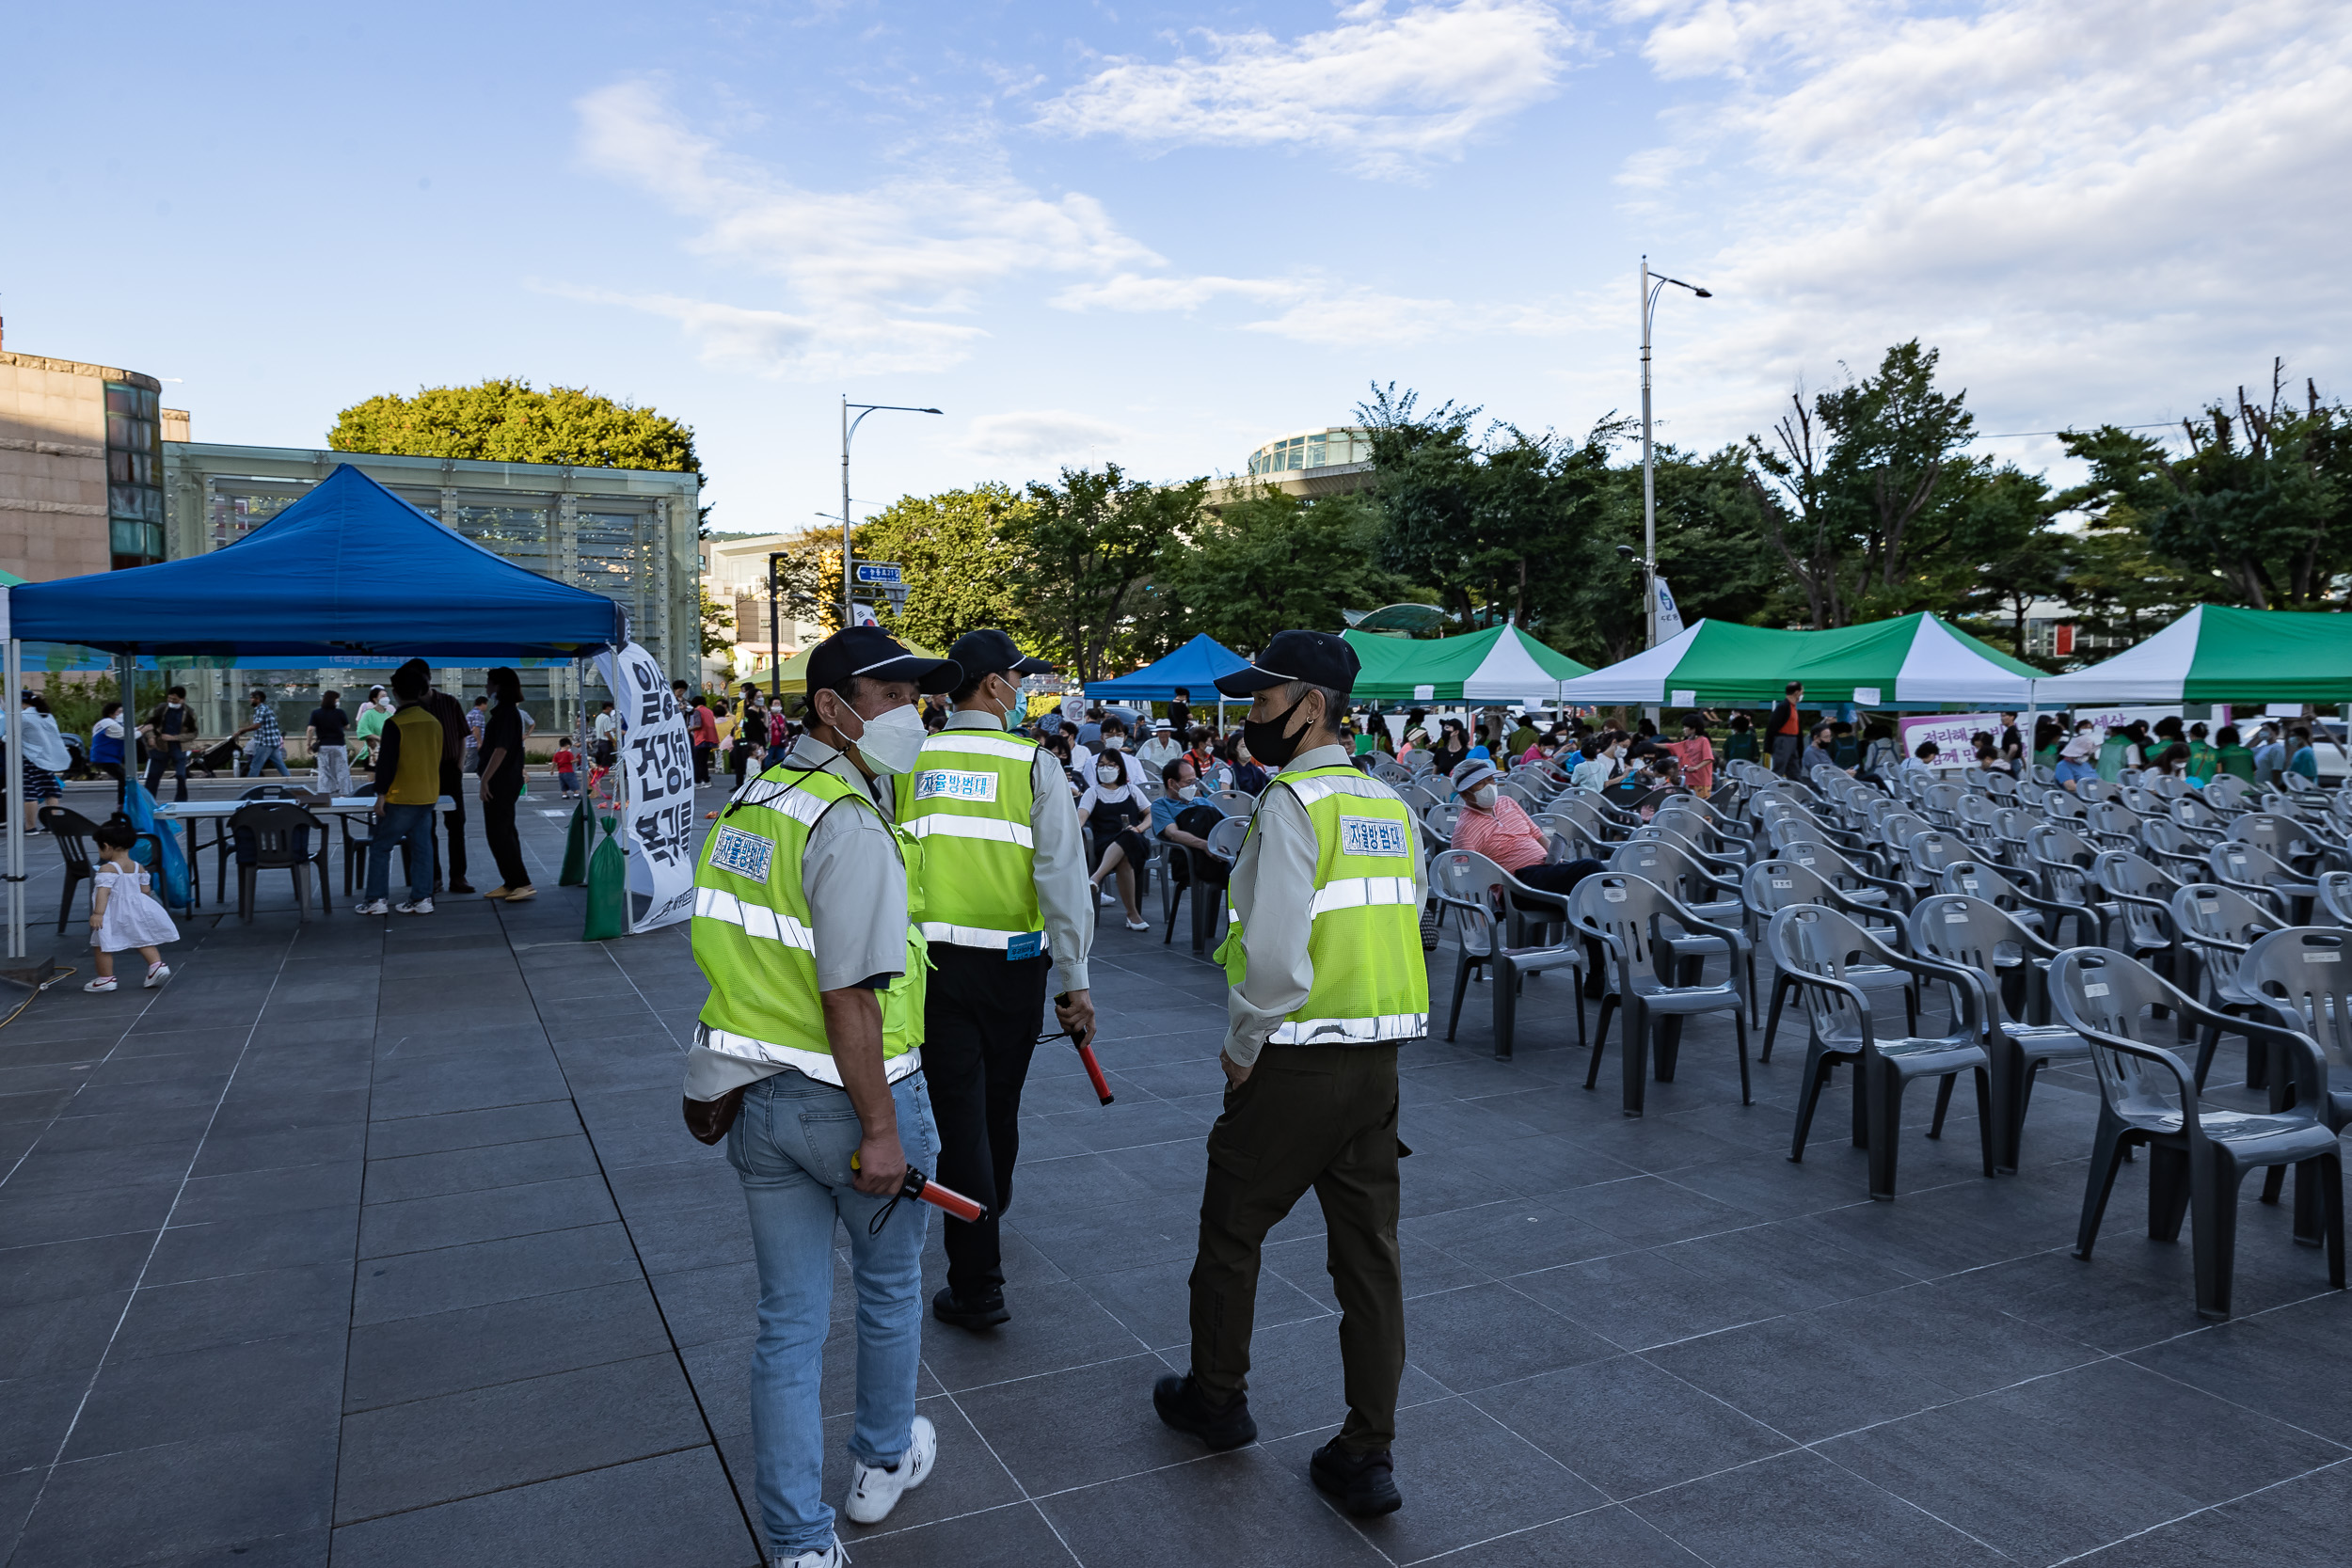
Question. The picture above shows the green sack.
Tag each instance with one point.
(575, 848)
(608, 887)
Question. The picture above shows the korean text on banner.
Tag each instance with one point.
(657, 767)
(1951, 732)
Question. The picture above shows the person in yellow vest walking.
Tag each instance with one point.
(807, 1059)
(1005, 898)
(1325, 959)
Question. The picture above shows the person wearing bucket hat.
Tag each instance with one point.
(1004, 900)
(807, 1062)
(1325, 964)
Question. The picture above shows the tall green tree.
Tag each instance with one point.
(507, 420)
(1271, 561)
(960, 551)
(1088, 549)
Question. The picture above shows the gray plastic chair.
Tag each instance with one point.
(1639, 926)
(1711, 895)
(2112, 825)
(2259, 873)
(2198, 1158)
(2216, 926)
(1970, 933)
(2228, 794)
(2335, 897)
(2170, 846)
(1773, 885)
(1812, 943)
(1860, 885)
(2035, 914)
(1480, 896)
(2141, 894)
(2304, 974)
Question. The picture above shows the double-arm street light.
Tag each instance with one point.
(849, 428)
(1653, 284)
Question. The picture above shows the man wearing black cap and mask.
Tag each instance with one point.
(808, 1056)
(1004, 897)
(1327, 978)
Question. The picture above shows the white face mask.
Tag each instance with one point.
(892, 741)
(1187, 791)
(1111, 743)
(1107, 775)
(1483, 799)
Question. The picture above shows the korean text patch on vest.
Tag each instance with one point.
(1373, 835)
(952, 784)
(747, 855)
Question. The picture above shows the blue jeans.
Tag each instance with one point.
(791, 1145)
(399, 825)
(258, 758)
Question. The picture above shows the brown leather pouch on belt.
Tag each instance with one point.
(709, 1119)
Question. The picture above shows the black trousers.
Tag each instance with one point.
(1324, 1117)
(981, 1014)
(177, 757)
(1787, 750)
(506, 846)
(453, 785)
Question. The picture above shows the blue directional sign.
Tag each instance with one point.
(878, 574)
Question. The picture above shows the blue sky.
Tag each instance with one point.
(1159, 233)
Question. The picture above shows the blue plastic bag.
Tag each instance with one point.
(139, 807)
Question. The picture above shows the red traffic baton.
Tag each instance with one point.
(1086, 1056)
(947, 1199)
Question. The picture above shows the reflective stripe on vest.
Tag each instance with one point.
(1371, 984)
(713, 903)
(812, 1064)
(967, 801)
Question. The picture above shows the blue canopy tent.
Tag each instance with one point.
(348, 575)
(1195, 667)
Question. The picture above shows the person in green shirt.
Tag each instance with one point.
(2230, 756)
(371, 717)
(2115, 755)
(1739, 745)
(1522, 738)
(2202, 758)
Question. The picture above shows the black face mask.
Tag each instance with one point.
(1266, 741)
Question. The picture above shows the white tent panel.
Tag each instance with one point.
(1942, 668)
(2154, 672)
(1642, 678)
(1509, 674)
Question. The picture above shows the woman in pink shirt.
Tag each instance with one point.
(1494, 825)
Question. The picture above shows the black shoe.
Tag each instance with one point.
(985, 1312)
(1183, 1406)
(1365, 1483)
(461, 887)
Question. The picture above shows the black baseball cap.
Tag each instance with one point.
(990, 652)
(1297, 656)
(871, 652)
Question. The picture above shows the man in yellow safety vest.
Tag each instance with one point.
(1324, 959)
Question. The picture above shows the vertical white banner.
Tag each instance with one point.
(657, 767)
(1669, 615)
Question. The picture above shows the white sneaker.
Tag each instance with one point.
(874, 1492)
(823, 1556)
(1110, 898)
(374, 906)
(104, 982)
(1138, 924)
(420, 905)
(157, 973)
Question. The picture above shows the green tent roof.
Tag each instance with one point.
(2219, 654)
(1502, 664)
(1911, 661)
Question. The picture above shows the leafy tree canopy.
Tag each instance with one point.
(960, 552)
(507, 420)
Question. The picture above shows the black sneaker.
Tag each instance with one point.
(1365, 1484)
(985, 1312)
(1183, 1406)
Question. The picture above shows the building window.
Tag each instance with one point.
(135, 464)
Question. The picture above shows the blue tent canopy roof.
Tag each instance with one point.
(1195, 667)
(349, 571)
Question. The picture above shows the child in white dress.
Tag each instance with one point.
(123, 915)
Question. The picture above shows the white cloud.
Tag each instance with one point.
(2098, 210)
(1042, 436)
(868, 270)
(1386, 90)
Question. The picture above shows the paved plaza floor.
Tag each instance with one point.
(380, 1243)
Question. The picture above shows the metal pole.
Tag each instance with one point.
(16, 798)
(775, 643)
(126, 686)
(844, 508)
(1649, 490)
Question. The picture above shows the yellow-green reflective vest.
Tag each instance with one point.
(1371, 983)
(967, 803)
(755, 943)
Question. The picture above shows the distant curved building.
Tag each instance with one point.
(1331, 460)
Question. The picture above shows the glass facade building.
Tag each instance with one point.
(1332, 446)
(134, 476)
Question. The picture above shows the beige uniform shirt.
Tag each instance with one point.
(1273, 892)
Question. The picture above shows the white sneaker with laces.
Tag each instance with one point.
(374, 906)
(157, 973)
(420, 905)
(823, 1556)
(874, 1491)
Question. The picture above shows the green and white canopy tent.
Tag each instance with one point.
(1912, 661)
(1502, 664)
(2219, 653)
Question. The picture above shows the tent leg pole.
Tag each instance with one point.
(16, 798)
(126, 688)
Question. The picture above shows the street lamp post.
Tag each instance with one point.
(849, 428)
(1650, 291)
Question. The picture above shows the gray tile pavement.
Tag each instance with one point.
(381, 1243)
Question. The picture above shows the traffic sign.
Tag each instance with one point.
(882, 573)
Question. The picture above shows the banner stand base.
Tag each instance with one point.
(31, 977)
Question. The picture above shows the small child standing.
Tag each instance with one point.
(566, 768)
(123, 915)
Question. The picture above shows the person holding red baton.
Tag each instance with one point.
(1004, 898)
